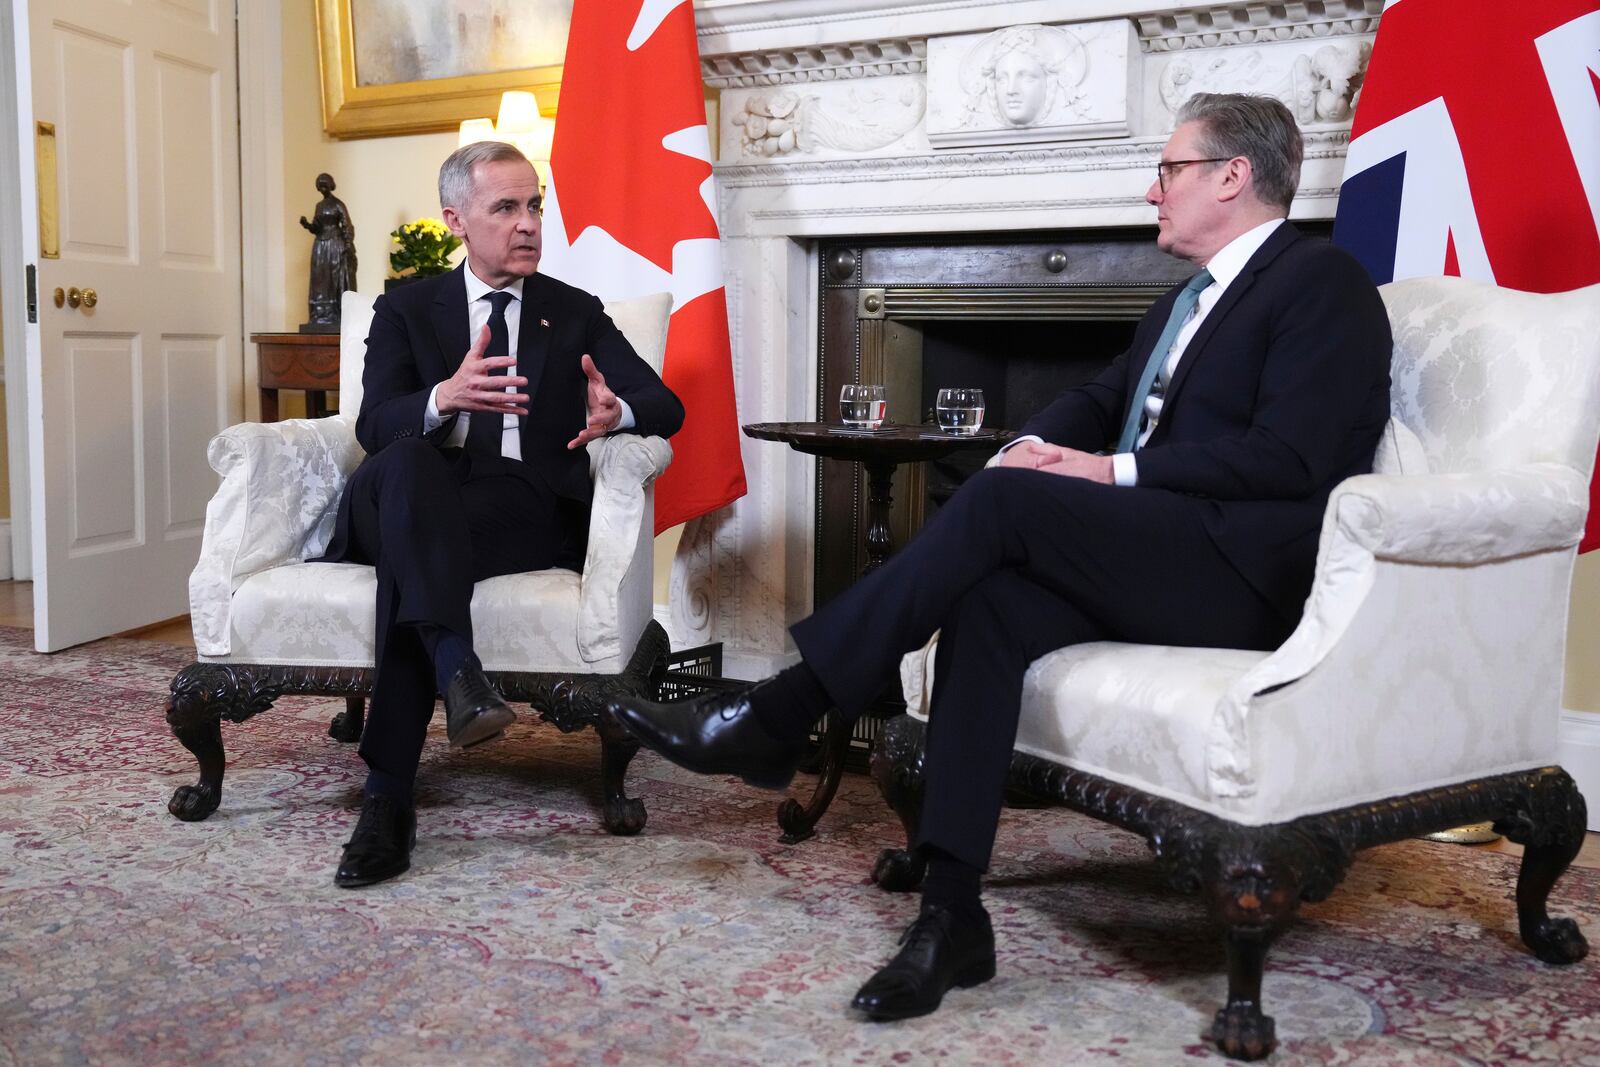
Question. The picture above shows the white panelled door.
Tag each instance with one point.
(142, 98)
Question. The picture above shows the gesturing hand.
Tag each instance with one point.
(605, 410)
(473, 388)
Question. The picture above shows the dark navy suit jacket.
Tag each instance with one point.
(419, 337)
(1282, 393)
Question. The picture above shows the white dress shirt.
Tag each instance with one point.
(478, 312)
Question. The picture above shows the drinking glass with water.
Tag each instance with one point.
(863, 405)
(959, 411)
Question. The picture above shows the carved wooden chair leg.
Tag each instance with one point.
(1551, 830)
(347, 725)
(620, 814)
(195, 704)
(897, 768)
(1240, 1029)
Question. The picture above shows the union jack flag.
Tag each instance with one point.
(1475, 149)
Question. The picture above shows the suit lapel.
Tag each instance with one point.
(1281, 238)
(451, 326)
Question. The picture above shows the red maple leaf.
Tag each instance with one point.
(616, 106)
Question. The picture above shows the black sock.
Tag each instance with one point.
(951, 883)
(384, 784)
(788, 704)
(448, 650)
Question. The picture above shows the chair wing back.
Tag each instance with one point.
(355, 319)
(643, 321)
(1489, 377)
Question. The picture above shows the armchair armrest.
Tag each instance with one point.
(1375, 524)
(279, 494)
(1461, 518)
(614, 599)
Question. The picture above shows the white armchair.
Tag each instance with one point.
(1421, 690)
(267, 623)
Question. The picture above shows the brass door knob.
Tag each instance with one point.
(61, 297)
(74, 297)
(90, 298)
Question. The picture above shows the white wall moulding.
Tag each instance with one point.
(1031, 83)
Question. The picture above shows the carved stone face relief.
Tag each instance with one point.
(1021, 87)
(1022, 74)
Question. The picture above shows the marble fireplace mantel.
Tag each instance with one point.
(869, 117)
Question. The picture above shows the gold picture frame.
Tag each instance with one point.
(350, 110)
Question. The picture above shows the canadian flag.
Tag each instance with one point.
(631, 210)
(1475, 150)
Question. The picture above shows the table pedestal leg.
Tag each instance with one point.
(798, 821)
(880, 539)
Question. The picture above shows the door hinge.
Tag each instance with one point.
(32, 274)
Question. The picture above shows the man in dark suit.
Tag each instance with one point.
(1176, 499)
(481, 389)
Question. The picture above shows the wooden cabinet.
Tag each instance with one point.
(304, 361)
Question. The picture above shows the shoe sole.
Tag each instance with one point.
(977, 974)
(357, 883)
(486, 727)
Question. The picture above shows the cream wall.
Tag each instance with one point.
(383, 181)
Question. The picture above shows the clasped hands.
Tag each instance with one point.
(473, 388)
(1056, 459)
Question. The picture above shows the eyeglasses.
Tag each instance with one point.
(1163, 170)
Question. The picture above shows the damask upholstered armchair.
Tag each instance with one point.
(266, 623)
(1422, 689)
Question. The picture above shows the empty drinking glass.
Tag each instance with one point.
(862, 405)
(959, 411)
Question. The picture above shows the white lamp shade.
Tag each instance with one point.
(519, 113)
(473, 130)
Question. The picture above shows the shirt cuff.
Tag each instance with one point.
(1124, 469)
(626, 423)
(431, 419)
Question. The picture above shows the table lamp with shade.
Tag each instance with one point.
(519, 123)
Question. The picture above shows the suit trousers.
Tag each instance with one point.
(434, 522)
(1016, 564)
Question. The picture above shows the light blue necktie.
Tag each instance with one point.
(1158, 357)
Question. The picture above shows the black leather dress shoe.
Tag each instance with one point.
(939, 950)
(715, 733)
(474, 711)
(381, 846)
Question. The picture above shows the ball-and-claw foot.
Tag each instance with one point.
(1557, 941)
(898, 871)
(623, 817)
(345, 728)
(1241, 1032)
(191, 803)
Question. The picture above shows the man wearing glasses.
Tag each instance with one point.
(481, 388)
(1174, 500)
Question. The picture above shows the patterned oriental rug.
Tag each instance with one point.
(525, 935)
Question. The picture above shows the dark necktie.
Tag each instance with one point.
(485, 428)
(1158, 358)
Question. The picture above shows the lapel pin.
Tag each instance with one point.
(545, 323)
